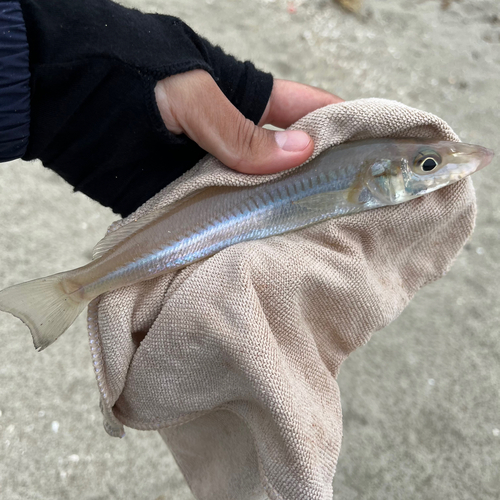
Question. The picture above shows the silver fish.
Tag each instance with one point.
(343, 180)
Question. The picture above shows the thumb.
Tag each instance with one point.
(193, 104)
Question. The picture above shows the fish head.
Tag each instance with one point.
(408, 169)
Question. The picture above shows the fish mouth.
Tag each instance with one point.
(486, 158)
(468, 160)
(477, 157)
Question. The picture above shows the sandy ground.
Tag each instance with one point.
(421, 400)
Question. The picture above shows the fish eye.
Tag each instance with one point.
(428, 164)
(426, 161)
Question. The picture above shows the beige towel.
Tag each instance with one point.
(239, 353)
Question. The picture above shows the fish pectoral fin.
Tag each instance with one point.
(354, 192)
(324, 201)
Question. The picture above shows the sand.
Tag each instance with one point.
(421, 400)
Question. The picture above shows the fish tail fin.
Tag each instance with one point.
(44, 306)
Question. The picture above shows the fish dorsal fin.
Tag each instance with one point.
(121, 234)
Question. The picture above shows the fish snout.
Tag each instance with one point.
(486, 158)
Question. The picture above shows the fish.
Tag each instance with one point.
(343, 180)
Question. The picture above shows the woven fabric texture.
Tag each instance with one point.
(234, 359)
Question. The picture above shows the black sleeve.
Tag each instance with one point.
(94, 119)
(14, 82)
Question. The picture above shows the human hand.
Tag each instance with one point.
(193, 104)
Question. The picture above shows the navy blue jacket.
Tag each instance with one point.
(92, 67)
(14, 82)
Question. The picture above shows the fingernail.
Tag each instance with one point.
(292, 141)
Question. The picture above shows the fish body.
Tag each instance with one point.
(343, 180)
